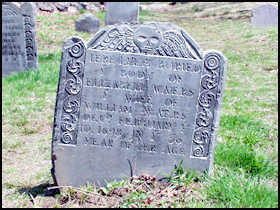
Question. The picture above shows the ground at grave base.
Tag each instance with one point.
(142, 191)
(246, 156)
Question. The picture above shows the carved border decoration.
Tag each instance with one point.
(132, 38)
(29, 24)
(74, 70)
(207, 104)
(10, 9)
(29, 41)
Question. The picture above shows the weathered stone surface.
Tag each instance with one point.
(72, 10)
(19, 45)
(265, 15)
(62, 6)
(87, 23)
(45, 6)
(84, 5)
(93, 8)
(77, 5)
(121, 12)
(16, 3)
(136, 99)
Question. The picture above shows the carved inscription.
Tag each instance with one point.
(19, 49)
(135, 99)
(126, 105)
(12, 34)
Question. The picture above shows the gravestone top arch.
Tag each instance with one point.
(135, 99)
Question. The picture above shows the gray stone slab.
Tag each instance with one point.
(265, 15)
(87, 23)
(62, 6)
(46, 6)
(19, 45)
(121, 12)
(136, 99)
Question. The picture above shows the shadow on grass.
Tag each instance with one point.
(41, 190)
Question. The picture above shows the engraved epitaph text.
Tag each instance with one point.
(135, 99)
(19, 49)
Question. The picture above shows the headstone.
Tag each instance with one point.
(19, 46)
(84, 5)
(121, 12)
(136, 99)
(46, 6)
(62, 6)
(87, 23)
(77, 5)
(265, 15)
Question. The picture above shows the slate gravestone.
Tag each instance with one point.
(136, 99)
(121, 12)
(87, 23)
(265, 15)
(19, 47)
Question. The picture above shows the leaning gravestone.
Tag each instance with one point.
(121, 12)
(265, 15)
(19, 47)
(136, 99)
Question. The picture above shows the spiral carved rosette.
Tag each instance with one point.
(74, 66)
(67, 138)
(71, 104)
(204, 118)
(212, 61)
(207, 99)
(210, 81)
(69, 122)
(77, 50)
(73, 86)
(202, 136)
(207, 102)
(198, 151)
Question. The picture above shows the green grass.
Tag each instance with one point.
(230, 189)
(101, 15)
(238, 156)
(246, 155)
(146, 3)
(197, 9)
(180, 176)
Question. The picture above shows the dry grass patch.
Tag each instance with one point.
(64, 27)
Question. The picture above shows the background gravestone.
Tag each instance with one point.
(265, 15)
(136, 99)
(87, 23)
(120, 12)
(19, 46)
